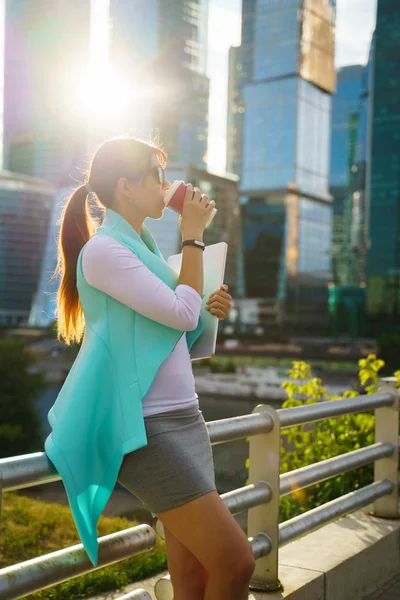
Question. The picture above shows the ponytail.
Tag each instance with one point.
(76, 229)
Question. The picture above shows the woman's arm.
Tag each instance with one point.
(112, 268)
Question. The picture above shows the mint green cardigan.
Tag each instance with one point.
(97, 417)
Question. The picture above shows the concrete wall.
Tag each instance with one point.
(346, 560)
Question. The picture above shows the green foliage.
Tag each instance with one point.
(369, 372)
(20, 425)
(312, 443)
(219, 365)
(397, 375)
(31, 528)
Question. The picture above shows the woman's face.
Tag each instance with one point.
(150, 196)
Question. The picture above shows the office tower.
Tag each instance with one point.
(383, 258)
(225, 225)
(161, 47)
(235, 112)
(350, 164)
(46, 47)
(345, 106)
(25, 207)
(356, 222)
(43, 308)
(287, 79)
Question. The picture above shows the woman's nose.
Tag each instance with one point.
(166, 185)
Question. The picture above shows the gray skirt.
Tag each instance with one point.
(177, 464)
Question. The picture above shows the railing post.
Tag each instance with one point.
(387, 430)
(264, 458)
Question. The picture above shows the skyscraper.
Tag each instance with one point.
(162, 47)
(287, 78)
(345, 105)
(383, 258)
(356, 237)
(25, 207)
(350, 163)
(46, 45)
(235, 111)
(43, 308)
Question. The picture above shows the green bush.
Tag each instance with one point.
(31, 528)
(312, 443)
(219, 364)
(20, 426)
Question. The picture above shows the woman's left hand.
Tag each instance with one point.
(219, 303)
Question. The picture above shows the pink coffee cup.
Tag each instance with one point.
(175, 198)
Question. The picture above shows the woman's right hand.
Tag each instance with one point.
(195, 213)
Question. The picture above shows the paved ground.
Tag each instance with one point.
(390, 591)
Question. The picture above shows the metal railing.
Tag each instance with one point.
(260, 498)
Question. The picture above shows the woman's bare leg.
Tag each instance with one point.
(207, 529)
(188, 576)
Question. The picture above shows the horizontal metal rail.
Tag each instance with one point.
(35, 469)
(310, 413)
(236, 428)
(28, 470)
(247, 497)
(253, 495)
(36, 574)
(326, 513)
(321, 471)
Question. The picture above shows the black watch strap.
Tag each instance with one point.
(197, 243)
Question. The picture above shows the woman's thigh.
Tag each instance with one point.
(208, 530)
(183, 566)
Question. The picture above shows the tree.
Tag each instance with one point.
(20, 386)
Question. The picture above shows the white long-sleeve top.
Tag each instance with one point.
(112, 268)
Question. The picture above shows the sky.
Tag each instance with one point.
(355, 22)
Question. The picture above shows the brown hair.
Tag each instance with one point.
(113, 159)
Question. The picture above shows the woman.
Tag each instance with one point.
(128, 410)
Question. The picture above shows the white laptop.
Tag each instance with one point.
(214, 262)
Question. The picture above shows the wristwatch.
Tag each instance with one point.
(197, 243)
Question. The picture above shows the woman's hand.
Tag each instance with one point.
(219, 303)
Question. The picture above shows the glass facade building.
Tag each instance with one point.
(285, 84)
(383, 258)
(235, 109)
(43, 308)
(25, 207)
(345, 101)
(349, 164)
(164, 47)
(345, 105)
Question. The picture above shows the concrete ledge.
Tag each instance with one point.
(354, 557)
(299, 584)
